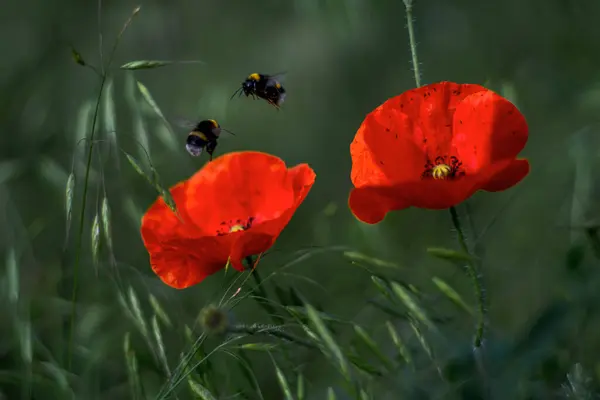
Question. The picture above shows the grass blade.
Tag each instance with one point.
(96, 241)
(372, 346)
(400, 346)
(162, 355)
(168, 140)
(405, 297)
(451, 294)
(159, 311)
(453, 256)
(69, 194)
(283, 383)
(328, 341)
(150, 64)
(199, 390)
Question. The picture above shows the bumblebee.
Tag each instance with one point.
(204, 136)
(267, 87)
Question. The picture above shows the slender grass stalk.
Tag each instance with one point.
(272, 331)
(90, 152)
(81, 224)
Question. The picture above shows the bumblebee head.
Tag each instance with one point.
(249, 87)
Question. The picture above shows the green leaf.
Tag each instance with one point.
(69, 194)
(450, 255)
(145, 64)
(95, 239)
(300, 389)
(283, 383)
(159, 310)
(110, 117)
(168, 140)
(138, 168)
(331, 394)
(328, 340)
(451, 294)
(299, 312)
(400, 346)
(372, 346)
(355, 256)
(200, 391)
(150, 64)
(106, 227)
(257, 346)
(412, 305)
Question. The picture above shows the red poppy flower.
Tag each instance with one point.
(433, 147)
(235, 206)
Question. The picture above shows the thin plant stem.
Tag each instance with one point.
(78, 248)
(471, 269)
(413, 44)
(273, 331)
(476, 280)
(260, 290)
(82, 222)
(475, 277)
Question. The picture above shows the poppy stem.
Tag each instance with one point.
(408, 4)
(475, 275)
(476, 280)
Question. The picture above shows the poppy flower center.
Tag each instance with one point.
(444, 167)
(232, 226)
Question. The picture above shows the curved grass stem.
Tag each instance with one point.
(82, 222)
(274, 331)
(88, 167)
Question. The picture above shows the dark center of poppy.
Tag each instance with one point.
(444, 167)
(234, 226)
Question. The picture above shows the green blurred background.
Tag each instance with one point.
(343, 58)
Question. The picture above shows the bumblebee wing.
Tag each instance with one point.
(184, 123)
(274, 79)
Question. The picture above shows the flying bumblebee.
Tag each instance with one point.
(202, 137)
(267, 87)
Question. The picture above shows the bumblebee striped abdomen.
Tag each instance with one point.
(196, 142)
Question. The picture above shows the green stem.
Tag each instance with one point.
(82, 221)
(85, 184)
(413, 44)
(272, 331)
(260, 290)
(475, 280)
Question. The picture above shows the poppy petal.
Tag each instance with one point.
(253, 192)
(186, 262)
(371, 204)
(430, 110)
(161, 224)
(262, 236)
(488, 128)
(238, 186)
(508, 177)
(381, 154)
